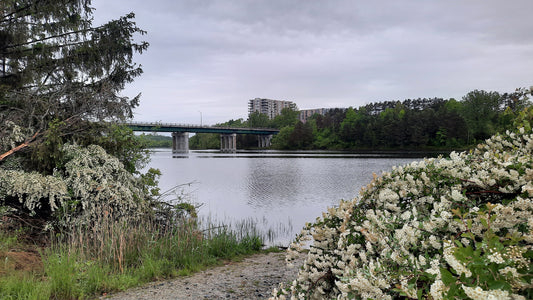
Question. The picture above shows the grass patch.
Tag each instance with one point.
(24, 286)
(113, 257)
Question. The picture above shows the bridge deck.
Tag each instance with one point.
(169, 127)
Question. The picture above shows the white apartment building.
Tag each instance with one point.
(269, 107)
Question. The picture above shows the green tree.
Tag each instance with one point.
(282, 139)
(354, 127)
(155, 140)
(392, 128)
(239, 123)
(288, 117)
(516, 101)
(514, 104)
(480, 110)
(418, 127)
(205, 141)
(302, 136)
(258, 120)
(449, 119)
(59, 74)
(60, 83)
(349, 126)
(324, 139)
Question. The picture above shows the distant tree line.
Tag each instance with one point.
(423, 123)
(157, 141)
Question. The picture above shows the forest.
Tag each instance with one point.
(421, 124)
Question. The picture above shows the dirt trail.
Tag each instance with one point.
(252, 278)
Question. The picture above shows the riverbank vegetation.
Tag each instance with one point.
(457, 227)
(78, 217)
(91, 261)
(421, 124)
(157, 141)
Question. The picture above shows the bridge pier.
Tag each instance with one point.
(180, 142)
(264, 141)
(180, 134)
(228, 142)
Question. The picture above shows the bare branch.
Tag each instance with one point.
(19, 147)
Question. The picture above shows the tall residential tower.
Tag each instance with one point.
(269, 107)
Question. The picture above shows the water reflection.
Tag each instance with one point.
(273, 182)
(274, 188)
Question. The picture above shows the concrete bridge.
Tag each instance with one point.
(228, 135)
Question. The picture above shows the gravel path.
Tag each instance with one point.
(252, 278)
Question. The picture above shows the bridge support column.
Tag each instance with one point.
(264, 141)
(228, 142)
(180, 142)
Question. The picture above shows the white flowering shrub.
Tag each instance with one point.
(99, 183)
(32, 192)
(445, 228)
(11, 135)
(89, 184)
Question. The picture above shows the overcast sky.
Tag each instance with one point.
(208, 58)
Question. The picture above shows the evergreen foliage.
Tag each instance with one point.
(60, 83)
(419, 124)
(59, 74)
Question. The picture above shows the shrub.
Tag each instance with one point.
(459, 227)
(88, 183)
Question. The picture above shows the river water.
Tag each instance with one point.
(278, 191)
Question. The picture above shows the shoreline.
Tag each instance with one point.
(252, 278)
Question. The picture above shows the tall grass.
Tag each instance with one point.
(112, 256)
(24, 286)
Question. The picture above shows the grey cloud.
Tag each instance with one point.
(212, 56)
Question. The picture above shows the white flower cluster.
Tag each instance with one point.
(90, 184)
(31, 188)
(12, 135)
(452, 261)
(479, 294)
(417, 221)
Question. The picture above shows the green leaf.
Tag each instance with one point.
(493, 217)
(447, 277)
(528, 254)
(469, 235)
(499, 285)
(453, 291)
(469, 223)
(484, 222)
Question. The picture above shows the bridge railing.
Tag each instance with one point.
(165, 124)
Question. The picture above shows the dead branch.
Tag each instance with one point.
(19, 147)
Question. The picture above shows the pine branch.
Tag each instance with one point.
(4, 20)
(48, 46)
(54, 37)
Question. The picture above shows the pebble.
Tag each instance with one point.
(253, 278)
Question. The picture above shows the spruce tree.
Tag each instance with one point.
(60, 76)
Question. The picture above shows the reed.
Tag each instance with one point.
(24, 287)
(112, 256)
